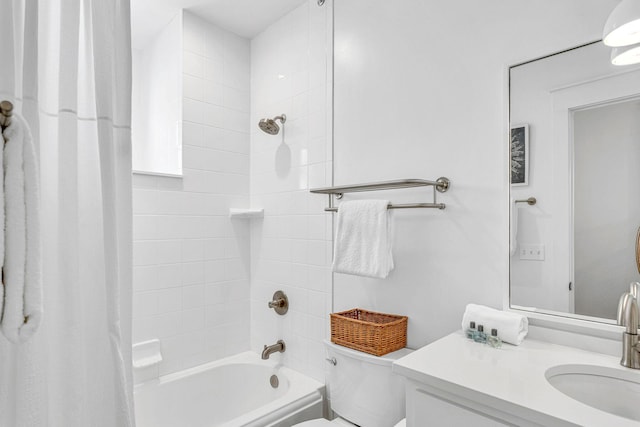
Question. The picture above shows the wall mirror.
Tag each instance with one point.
(575, 147)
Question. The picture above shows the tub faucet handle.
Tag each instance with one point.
(279, 302)
(276, 303)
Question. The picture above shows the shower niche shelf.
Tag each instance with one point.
(246, 213)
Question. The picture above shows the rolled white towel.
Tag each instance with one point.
(512, 327)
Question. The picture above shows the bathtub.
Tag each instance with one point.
(231, 392)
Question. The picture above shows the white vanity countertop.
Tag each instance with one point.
(511, 377)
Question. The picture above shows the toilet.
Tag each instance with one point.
(362, 390)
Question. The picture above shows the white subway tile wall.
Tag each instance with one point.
(191, 262)
(291, 246)
(194, 287)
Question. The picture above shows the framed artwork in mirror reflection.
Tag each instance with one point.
(520, 155)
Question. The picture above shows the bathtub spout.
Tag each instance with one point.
(268, 350)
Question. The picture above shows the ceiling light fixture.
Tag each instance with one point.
(623, 25)
(625, 55)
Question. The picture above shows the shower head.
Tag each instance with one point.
(270, 126)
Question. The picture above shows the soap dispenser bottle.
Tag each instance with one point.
(479, 335)
(470, 330)
(494, 340)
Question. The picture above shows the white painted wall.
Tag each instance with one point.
(157, 103)
(420, 93)
(191, 262)
(291, 246)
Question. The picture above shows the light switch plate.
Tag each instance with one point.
(531, 252)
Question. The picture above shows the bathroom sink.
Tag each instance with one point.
(616, 391)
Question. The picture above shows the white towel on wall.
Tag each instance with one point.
(364, 238)
(22, 311)
(512, 327)
(513, 231)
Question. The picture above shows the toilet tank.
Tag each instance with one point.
(362, 389)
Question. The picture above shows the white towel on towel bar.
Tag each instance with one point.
(22, 311)
(364, 238)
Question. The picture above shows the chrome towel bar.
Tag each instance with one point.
(441, 185)
(530, 201)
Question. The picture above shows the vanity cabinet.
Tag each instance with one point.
(430, 407)
(455, 382)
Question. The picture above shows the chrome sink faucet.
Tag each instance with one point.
(628, 317)
(268, 350)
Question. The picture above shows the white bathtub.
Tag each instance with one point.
(232, 392)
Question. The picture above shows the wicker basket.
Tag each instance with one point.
(368, 331)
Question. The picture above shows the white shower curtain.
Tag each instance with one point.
(66, 66)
